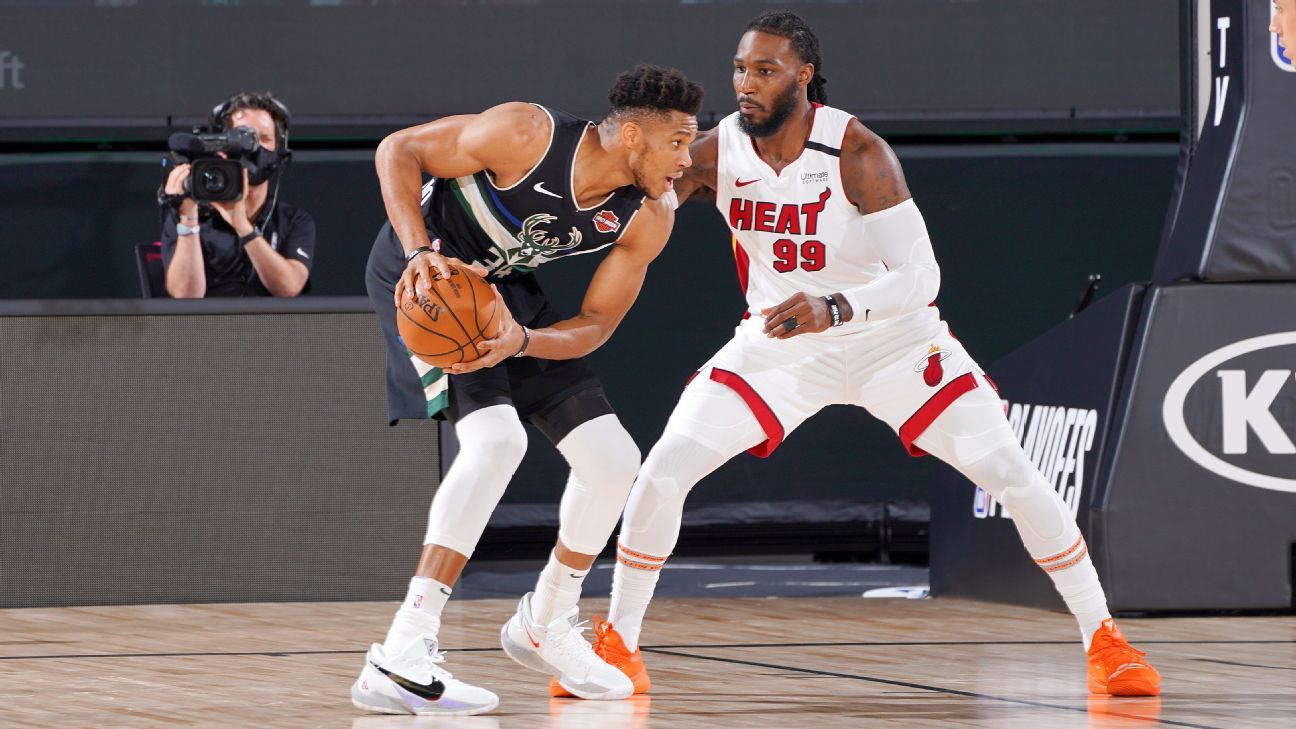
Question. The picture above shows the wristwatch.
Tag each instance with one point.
(182, 229)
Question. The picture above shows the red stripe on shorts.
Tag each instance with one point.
(769, 422)
(927, 414)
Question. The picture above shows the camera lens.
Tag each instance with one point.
(214, 180)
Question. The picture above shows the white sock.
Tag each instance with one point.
(420, 613)
(633, 583)
(557, 591)
(1076, 580)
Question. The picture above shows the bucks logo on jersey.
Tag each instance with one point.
(537, 244)
(515, 245)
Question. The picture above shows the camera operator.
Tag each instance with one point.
(255, 245)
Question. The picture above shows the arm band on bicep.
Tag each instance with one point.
(899, 236)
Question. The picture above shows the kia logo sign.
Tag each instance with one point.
(1244, 407)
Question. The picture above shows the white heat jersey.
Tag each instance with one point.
(794, 230)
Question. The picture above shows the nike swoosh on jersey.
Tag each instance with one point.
(539, 187)
(744, 183)
(303, 253)
(428, 692)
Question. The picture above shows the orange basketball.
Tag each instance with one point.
(445, 329)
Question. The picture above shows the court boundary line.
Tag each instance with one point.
(1247, 665)
(923, 687)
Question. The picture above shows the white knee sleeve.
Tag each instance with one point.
(656, 506)
(710, 425)
(1013, 481)
(604, 460)
(1047, 529)
(492, 442)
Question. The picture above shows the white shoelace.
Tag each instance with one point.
(432, 664)
(572, 645)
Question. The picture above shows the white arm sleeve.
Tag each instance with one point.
(911, 282)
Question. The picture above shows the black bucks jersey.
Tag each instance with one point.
(533, 221)
(510, 231)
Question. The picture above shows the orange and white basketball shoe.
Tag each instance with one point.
(1116, 668)
(609, 646)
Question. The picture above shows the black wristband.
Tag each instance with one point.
(834, 310)
(244, 240)
(412, 254)
(526, 339)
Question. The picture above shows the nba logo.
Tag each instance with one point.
(1280, 57)
(981, 504)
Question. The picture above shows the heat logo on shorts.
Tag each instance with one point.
(930, 366)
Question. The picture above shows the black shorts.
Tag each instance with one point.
(554, 395)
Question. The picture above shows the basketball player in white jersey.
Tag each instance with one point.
(840, 278)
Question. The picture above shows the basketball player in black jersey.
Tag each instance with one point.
(515, 187)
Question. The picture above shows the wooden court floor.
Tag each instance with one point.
(779, 662)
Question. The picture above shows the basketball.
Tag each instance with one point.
(445, 329)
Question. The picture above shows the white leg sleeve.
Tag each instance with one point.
(491, 445)
(604, 460)
(710, 425)
(965, 437)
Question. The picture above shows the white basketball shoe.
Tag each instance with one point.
(559, 649)
(413, 682)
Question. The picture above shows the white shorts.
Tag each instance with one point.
(905, 373)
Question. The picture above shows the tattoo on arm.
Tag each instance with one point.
(871, 172)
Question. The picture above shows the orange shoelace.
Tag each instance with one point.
(1112, 650)
(606, 646)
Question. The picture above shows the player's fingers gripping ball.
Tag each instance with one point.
(444, 325)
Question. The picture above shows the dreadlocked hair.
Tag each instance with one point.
(655, 90)
(789, 25)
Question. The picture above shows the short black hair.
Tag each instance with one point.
(653, 89)
(786, 24)
(262, 101)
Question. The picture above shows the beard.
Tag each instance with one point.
(641, 183)
(780, 110)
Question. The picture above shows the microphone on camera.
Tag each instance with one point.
(185, 143)
(237, 142)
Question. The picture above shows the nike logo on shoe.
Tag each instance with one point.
(428, 692)
(744, 183)
(527, 630)
(539, 187)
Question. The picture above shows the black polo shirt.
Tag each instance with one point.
(290, 231)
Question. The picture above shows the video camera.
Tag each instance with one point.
(214, 178)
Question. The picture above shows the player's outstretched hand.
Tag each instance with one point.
(505, 344)
(800, 313)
